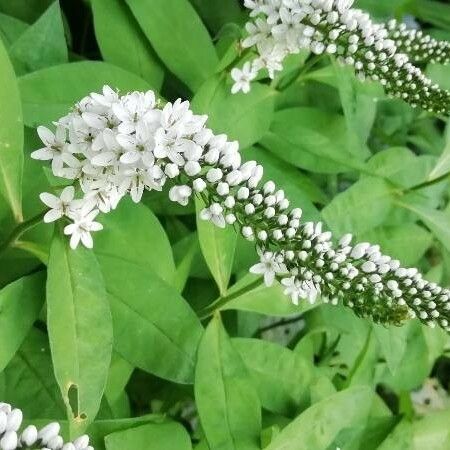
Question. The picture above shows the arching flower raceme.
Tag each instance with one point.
(420, 47)
(179, 146)
(377, 52)
(14, 436)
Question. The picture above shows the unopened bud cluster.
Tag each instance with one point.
(419, 46)
(123, 145)
(14, 436)
(283, 27)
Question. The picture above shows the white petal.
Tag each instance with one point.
(46, 136)
(269, 277)
(130, 158)
(67, 194)
(86, 239)
(258, 269)
(43, 154)
(75, 240)
(52, 215)
(52, 201)
(94, 120)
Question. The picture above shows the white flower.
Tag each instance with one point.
(56, 148)
(214, 214)
(64, 205)
(29, 435)
(9, 441)
(269, 266)
(81, 228)
(180, 194)
(293, 289)
(242, 78)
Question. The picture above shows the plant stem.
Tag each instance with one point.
(222, 301)
(20, 230)
(426, 184)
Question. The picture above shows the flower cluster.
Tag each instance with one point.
(47, 438)
(420, 47)
(283, 27)
(134, 145)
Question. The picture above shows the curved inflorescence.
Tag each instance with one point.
(283, 27)
(116, 145)
(420, 47)
(47, 438)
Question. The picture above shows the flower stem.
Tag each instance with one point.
(20, 230)
(222, 301)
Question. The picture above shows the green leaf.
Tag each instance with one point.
(80, 329)
(227, 402)
(318, 426)
(179, 38)
(281, 377)
(20, 305)
(218, 246)
(400, 438)
(432, 431)
(10, 29)
(392, 342)
(114, 22)
(311, 139)
(436, 221)
(360, 108)
(407, 242)
(218, 14)
(167, 436)
(154, 327)
(442, 167)
(43, 44)
(362, 207)
(119, 374)
(29, 380)
(49, 94)
(243, 117)
(135, 235)
(11, 137)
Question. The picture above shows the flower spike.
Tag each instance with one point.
(176, 144)
(47, 438)
(377, 52)
(421, 48)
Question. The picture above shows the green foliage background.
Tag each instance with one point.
(126, 342)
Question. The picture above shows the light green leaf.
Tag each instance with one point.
(407, 242)
(311, 139)
(136, 236)
(179, 38)
(227, 402)
(280, 376)
(119, 374)
(363, 206)
(437, 221)
(11, 137)
(154, 327)
(29, 380)
(218, 246)
(443, 165)
(243, 117)
(114, 22)
(318, 426)
(80, 329)
(49, 94)
(43, 44)
(167, 436)
(360, 108)
(432, 432)
(20, 305)
(392, 344)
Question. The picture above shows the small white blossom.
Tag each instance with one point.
(269, 267)
(242, 78)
